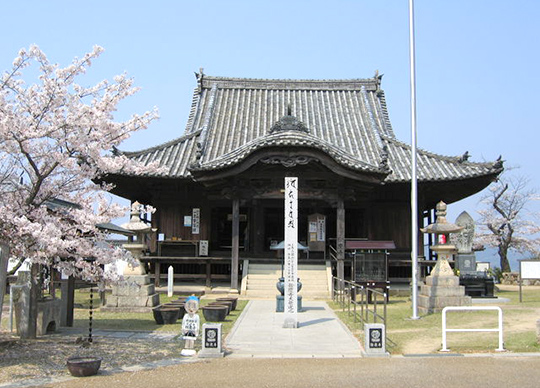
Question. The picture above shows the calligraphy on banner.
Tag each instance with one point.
(291, 252)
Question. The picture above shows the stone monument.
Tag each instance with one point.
(135, 293)
(442, 286)
(212, 344)
(463, 240)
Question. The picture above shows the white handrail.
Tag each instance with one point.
(469, 308)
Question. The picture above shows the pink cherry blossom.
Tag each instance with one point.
(56, 137)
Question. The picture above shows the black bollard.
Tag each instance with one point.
(90, 315)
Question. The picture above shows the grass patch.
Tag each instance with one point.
(110, 320)
(424, 335)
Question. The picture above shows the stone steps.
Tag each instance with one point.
(261, 280)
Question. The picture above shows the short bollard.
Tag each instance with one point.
(375, 339)
(211, 341)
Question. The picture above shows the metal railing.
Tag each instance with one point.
(499, 328)
(364, 304)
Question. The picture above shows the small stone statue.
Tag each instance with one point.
(190, 326)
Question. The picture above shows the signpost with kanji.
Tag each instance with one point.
(291, 253)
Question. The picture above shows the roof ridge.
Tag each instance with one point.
(234, 82)
(270, 140)
(457, 159)
(163, 145)
(214, 78)
(195, 101)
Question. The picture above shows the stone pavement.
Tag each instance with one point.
(259, 333)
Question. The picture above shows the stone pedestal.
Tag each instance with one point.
(280, 303)
(439, 292)
(136, 294)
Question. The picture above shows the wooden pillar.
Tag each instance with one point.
(235, 244)
(208, 273)
(257, 227)
(157, 273)
(340, 240)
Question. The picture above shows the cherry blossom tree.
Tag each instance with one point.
(506, 222)
(56, 137)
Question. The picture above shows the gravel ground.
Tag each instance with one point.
(46, 357)
(440, 372)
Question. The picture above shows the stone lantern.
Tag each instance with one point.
(442, 286)
(135, 293)
(136, 248)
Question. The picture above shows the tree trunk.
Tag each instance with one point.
(503, 255)
(4, 258)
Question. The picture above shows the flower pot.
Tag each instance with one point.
(177, 301)
(180, 307)
(223, 303)
(214, 313)
(232, 299)
(157, 315)
(169, 314)
(83, 366)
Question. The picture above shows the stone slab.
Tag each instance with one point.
(133, 301)
(458, 291)
(445, 281)
(133, 290)
(466, 263)
(137, 279)
(259, 333)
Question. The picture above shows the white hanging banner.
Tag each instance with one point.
(291, 253)
(195, 221)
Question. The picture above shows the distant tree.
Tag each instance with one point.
(506, 222)
(56, 138)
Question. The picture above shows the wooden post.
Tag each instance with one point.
(340, 241)
(157, 273)
(235, 244)
(258, 227)
(208, 273)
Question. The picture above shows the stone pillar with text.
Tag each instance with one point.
(291, 253)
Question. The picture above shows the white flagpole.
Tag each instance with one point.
(414, 187)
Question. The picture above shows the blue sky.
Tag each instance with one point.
(477, 61)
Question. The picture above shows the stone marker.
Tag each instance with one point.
(463, 240)
(375, 339)
(170, 281)
(211, 341)
(290, 270)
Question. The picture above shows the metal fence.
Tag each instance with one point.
(364, 304)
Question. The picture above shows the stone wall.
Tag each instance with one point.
(512, 278)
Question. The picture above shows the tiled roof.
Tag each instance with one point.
(230, 118)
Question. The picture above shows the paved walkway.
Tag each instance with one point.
(259, 333)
